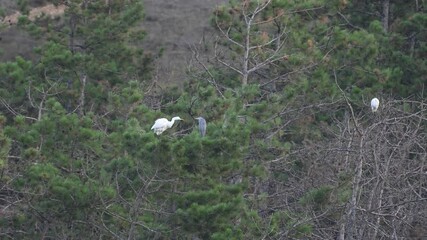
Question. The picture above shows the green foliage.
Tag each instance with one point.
(23, 6)
(14, 75)
(208, 213)
(71, 192)
(398, 50)
(317, 197)
(41, 172)
(5, 144)
(2, 12)
(303, 230)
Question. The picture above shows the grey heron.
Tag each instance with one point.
(202, 126)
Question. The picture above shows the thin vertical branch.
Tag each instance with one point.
(82, 95)
(347, 224)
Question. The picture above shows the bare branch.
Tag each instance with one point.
(212, 78)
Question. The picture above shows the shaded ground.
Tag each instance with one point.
(170, 24)
(174, 25)
(14, 42)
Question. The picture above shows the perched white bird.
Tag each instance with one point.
(161, 124)
(375, 103)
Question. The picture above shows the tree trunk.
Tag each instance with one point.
(82, 95)
(385, 15)
(245, 70)
(351, 211)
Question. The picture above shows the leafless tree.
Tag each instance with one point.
(371, 170)
(260, 47)
(385, 156)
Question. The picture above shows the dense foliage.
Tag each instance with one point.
(292, 149)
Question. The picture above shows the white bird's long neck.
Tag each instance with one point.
(171, 122)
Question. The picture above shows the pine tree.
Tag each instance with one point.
(55, 108)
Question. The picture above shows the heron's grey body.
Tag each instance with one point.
(161, 124)
(375, 103)
(202, 126)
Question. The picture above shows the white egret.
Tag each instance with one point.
(161, 124)
(202, 126)
(375, 103)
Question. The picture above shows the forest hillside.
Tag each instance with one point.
(293, 147)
